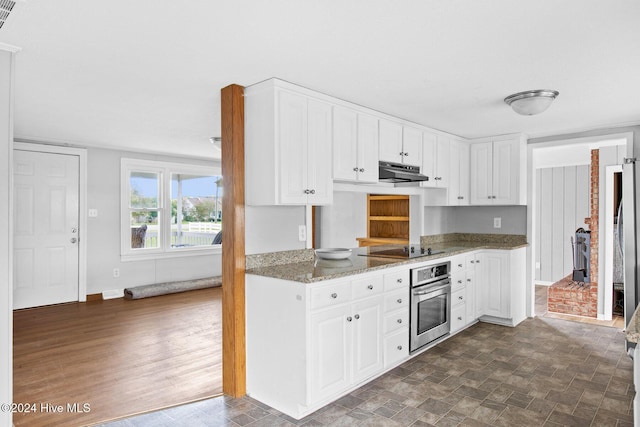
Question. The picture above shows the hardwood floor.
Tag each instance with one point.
(121, 357)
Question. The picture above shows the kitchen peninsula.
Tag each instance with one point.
(317, 329)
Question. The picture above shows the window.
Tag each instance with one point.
(169, 209)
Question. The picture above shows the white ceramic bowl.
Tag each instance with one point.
(333, 253)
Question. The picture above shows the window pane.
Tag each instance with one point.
(144, 229)
(196, 209)
(144, 190)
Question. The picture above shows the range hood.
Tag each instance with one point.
(399, 173)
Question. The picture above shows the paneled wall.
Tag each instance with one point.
(562, 205)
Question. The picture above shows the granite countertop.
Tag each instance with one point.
(633, 329)
(309, 269)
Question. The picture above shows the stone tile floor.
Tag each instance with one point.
(545, 372)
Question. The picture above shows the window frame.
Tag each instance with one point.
(164, 170)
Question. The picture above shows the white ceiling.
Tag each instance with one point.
(147, 74)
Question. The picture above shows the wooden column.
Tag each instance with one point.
(233, 251)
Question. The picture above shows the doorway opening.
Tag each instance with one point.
(579, 200)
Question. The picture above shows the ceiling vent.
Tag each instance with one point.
(6, 7)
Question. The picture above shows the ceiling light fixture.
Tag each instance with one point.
(531, 102)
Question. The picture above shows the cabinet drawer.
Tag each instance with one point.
(458, 297)
(396, 280)
(326, 296)
(395, 321)
(396, 300)
(458, 318)
(457, 281)
(396, 347)
(366, 287)
(458, 263)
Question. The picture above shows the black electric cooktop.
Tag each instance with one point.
(400, 251)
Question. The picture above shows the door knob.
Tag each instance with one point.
(74, 230)
(74, 240)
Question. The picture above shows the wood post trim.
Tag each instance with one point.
(233, 248)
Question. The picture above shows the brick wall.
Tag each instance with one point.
(565, 296)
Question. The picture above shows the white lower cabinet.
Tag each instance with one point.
(501, 284)
(462, 291)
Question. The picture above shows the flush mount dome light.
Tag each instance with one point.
(531, 102)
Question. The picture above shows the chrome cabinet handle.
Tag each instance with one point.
(399, 320)
(349, 319)
(478, 262)
(459, 281)
(459, 317)
(399, 280)
(306, 191)
(460, 197)
(361, 169)
(334, 295)
(399, 347)
(370, 287)
(460, 265)
(357, 316)
(473, 262)
(468, 280)
(313, 191)
(460, 298)
(399, 300)
(401, 153)
(355, 169)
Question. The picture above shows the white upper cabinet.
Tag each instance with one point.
(391, 141)
(498, 172)
(436, 160)
(459, 173)
(355, 146)
(288, 147)
(400, 144)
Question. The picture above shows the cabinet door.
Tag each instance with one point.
(505, 171)
(496, 292)
(470, 280)
(330, 350)
(463, 177)
(429, 150)
(367, 338)
(443, 157)
(367, 149)
(454, 174)
(390, 141)
(481, 283)
(345, 142)
(319, 181)
(292, 140)
(481, 174)
(412, 146)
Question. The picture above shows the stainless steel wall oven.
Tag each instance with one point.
(430, 304)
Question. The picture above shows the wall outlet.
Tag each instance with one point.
(302, 233)
(116, 272)
(93, 213)
(497, 222)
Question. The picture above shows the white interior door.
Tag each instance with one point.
(46, 222)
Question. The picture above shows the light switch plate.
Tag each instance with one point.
(302, 233)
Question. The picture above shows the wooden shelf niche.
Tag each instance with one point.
(387, 220)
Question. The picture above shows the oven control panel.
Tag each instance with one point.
(432, 273)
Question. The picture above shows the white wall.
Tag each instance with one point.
(562, 202)
(103, 233)
(475, 219)
(273, 228)
(338, 225)
(6, 284)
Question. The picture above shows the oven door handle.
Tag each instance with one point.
(431, 290)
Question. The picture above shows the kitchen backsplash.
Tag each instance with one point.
(515, 239)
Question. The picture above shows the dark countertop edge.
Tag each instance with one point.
(264, 271)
